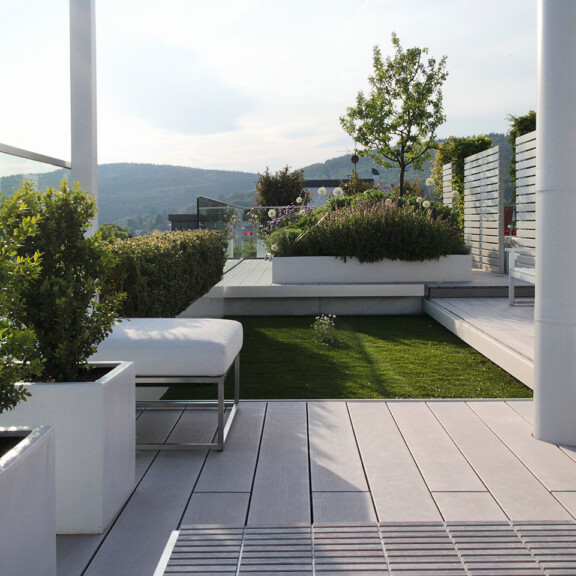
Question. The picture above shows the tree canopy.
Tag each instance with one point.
(519, 125)
(396, 123)
(282, 188)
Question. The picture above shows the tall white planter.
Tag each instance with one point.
(27, 504)
(331, 270)
(95, 444)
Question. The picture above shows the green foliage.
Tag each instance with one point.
(355, 185)
(396, 124)
(519, 125)
(163, 273)
(109, 231)
(281, 189)
(377, 357)
(325, 329)
(371, 227)
(17, 341)
(63, 304)
(455, 151)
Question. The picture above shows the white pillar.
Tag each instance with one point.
(555, 311)
(83, 96)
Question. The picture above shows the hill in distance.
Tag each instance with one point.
(140, 196)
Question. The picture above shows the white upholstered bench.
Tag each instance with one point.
(176, 351)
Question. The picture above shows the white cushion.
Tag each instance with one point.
(174, 346)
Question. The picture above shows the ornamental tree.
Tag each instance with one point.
(281, 189)
(396, 123)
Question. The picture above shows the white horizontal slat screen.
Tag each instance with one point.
(484, 175)
(526, 199)
(447, 195)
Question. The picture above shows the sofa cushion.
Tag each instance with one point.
(174, 346)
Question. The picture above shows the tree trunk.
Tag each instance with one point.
(402, 174)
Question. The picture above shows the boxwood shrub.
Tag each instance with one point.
(164, 272)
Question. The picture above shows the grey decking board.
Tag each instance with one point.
(155, 425)
(524, 407)
(547, 462)
(398, 489)
(335, 465)
(224, 508)
(512, 326)
(195, 425)
(74, 552)
(343, 507)
(511, 484)
(568, 500)
(135, 543)
(468, 506)
(240, 455)
(438, 458)
(281, 489)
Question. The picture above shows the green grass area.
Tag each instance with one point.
(377, 357)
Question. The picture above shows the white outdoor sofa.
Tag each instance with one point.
(517, 271)
(172, 351)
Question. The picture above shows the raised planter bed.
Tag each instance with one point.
(27, 502)
(331, 270)
(94, 424)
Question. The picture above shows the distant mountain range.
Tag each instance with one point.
(140, 196)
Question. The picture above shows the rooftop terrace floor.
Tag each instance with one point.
(443, 466)
(408, 487)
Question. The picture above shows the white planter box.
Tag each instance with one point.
(330, 270)
(95, 444)
(27, 504)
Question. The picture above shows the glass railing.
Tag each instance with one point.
(238, 221)
(17, 165)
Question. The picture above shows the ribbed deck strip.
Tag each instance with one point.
(393, 549)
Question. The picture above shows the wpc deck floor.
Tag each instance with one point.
(467, 480)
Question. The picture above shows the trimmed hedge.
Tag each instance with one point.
(164, 272)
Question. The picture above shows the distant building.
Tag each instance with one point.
(183, 221)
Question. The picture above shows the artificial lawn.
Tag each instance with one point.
(377, 357)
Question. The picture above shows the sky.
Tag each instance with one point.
(253, 84)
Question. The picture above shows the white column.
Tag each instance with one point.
(83, 96)
(555, 311)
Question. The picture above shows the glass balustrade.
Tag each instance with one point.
(238, 221)
(17, 165)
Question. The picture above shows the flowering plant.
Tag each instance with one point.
(325, 329)
(371, 226)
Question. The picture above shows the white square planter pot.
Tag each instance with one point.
(331, 270)
(27, 503)
(95, 429)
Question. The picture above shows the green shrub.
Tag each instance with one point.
(372, 227)
(17, 341)
(63, 304)
(163, 273)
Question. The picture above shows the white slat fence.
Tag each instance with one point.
(526, 199)
(484, 177)
(447, 189)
